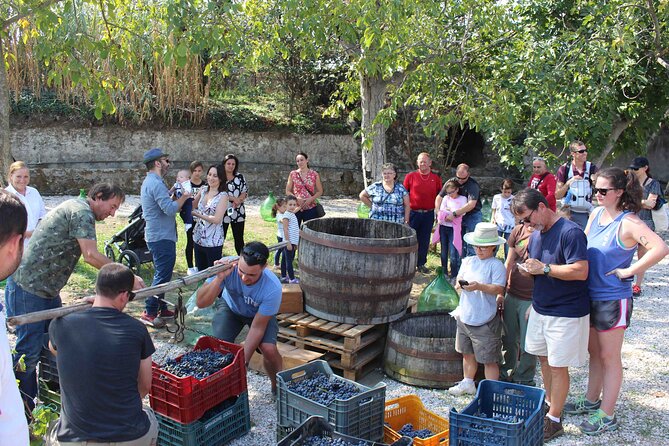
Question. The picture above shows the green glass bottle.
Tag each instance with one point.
(82, 193)
(438, 295)
(266, 208)
(363, 210)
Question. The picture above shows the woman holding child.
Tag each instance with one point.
(481, 278)
(614, 232)
(209, 207)
(305, 184)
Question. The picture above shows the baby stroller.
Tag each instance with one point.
(128, 245)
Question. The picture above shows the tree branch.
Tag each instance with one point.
(28, 13)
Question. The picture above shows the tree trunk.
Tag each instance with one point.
(618, 128)
(5, 150)
(373, 94)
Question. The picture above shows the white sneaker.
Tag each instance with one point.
(191, 271)
(463, 388)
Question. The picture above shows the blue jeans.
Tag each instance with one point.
(164, 253)
(287, 262)
(448, 251)
(469, 222)
(277, 254)
(422, 222)
(506, 236)
(30, 338)
(307, 215)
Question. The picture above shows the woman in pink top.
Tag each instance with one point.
(305, 184)
(450, 228)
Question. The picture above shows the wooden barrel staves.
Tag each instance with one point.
(420, 350)
(356, 271)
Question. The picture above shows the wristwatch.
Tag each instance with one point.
(547, 269)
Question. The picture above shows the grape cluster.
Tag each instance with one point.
(408, 431)
(198, 363)
(327, 441)
(323, 389)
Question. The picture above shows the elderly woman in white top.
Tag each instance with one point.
(18, 179)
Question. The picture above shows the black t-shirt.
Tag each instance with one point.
(99, 352)
(469, 189)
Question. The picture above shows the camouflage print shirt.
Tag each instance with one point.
(53, 250)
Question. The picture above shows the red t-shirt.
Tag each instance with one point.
(546, 187)
(423, 189)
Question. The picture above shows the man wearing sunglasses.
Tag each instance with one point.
(104, 368)
(160, 231)
(574, 183)
(251, 296)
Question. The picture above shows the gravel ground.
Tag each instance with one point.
(643, 406)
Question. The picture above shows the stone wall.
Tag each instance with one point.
(64, 158)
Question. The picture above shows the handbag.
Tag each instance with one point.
(660, 218)
(320, 212)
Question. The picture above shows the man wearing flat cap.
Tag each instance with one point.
(160, 232)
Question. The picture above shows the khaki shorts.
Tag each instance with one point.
(484, 342)
(149, 439)
(564, 340)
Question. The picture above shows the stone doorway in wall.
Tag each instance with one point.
(462, 146)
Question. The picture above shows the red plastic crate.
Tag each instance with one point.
(187, 399)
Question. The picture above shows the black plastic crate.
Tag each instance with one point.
(48, 370)
(218, 426)
(360, 416)
(316, 426)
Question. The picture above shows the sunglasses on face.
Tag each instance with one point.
(131, 296)
(526, 220)
(602, 191)
(579, 151)
(635, 168)
(254, 255)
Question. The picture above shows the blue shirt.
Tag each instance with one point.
(563, 244)
(606, 252)
(158, 210)
(387, 206)
(262, 297)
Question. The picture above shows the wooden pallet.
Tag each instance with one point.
(347, 347)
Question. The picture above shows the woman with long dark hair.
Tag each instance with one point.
(614, 231)
(305, 184)
(209, 207)
(238, 190)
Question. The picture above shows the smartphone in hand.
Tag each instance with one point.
(463, 282)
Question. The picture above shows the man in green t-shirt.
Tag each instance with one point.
(64, 235)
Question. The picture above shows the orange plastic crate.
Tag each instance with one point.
(410, 409)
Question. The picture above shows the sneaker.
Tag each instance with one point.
(284, 280)
(581, 406)
(552, 429)
(463, 388)
(599, 422)
(636, 291)
(191, 271)
(294, 281)
(152, 320)
(423, 269)
(166, 314)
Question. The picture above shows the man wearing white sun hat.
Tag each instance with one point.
(481, 278)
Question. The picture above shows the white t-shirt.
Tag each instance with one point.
(476, 307)
(34, 204)
(13, 425)
(293, 228)
(503, 216)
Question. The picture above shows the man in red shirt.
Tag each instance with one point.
(543, 180)
(423, 187)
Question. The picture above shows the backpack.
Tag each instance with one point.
(579, 196)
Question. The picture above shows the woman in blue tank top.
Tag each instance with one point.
(614, 231)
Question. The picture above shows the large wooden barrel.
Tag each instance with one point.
(356, 271)
(420, 350)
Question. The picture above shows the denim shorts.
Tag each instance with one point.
(226, 325)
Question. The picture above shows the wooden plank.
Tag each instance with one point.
(342, 328)
(318, 324)
(330, 326)
(296, 317)
(357, 330)
(362, 357)
(305, 321)
(360, 342)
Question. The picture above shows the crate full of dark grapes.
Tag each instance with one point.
(219, 425)
(186, 387)
(407, 416)
(48, 371)
(502, 414)
(313, 389)
(316, 432)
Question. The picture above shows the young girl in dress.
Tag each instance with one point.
(289, 230)
(501, 212)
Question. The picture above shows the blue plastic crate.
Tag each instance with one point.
(502, 414)
(360, 416)
(317, 426)
(218, 426)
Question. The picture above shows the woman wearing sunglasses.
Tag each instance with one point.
(651, 191)
(614, 231)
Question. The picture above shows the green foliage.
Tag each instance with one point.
(43, 416)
